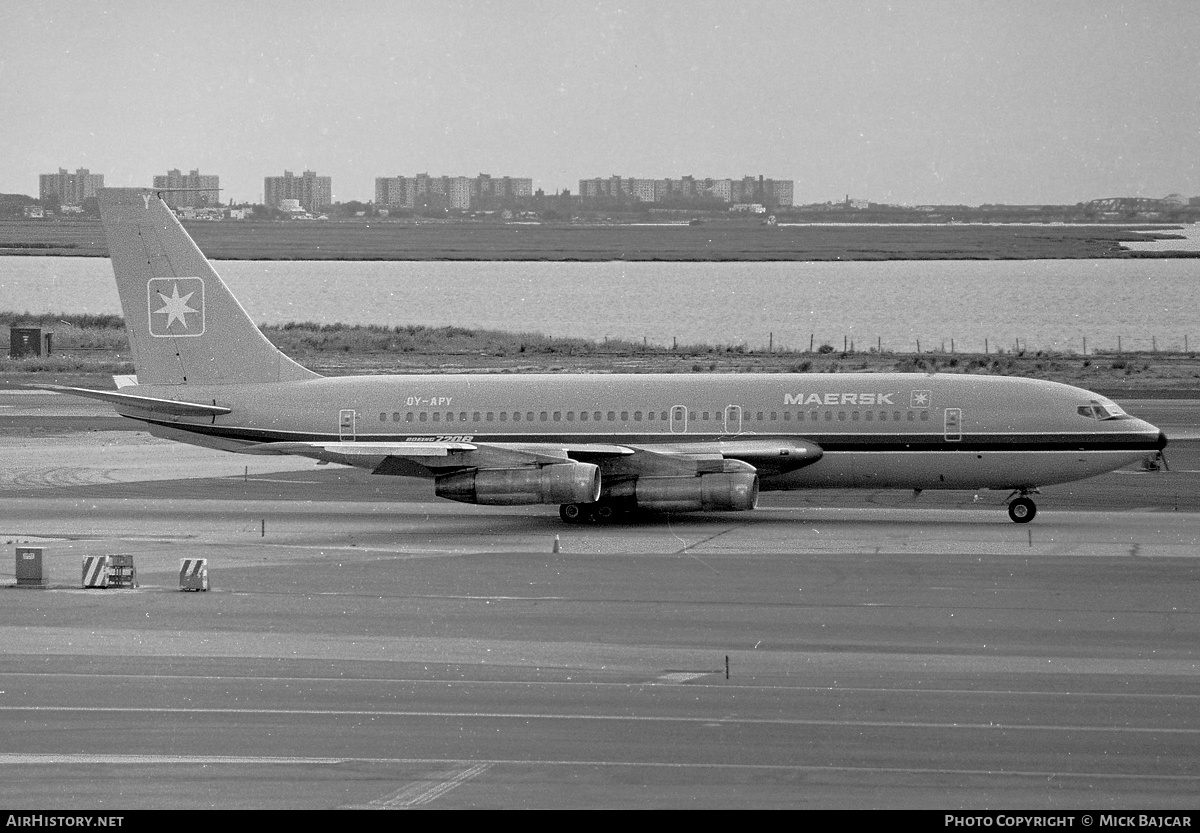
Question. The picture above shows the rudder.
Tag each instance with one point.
(185, 326)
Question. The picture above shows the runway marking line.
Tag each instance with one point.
(27, 759)
(133, 760)
(982, 692)
(750, 721)
(680, 676)
(422, 792)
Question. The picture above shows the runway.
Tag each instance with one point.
(364, 645)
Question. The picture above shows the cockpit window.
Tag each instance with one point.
(1102, 410)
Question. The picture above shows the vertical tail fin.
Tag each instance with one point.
(184, 325)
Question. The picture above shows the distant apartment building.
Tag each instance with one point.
(314, 192)
(749, 190)
(192, 190)
(459, 193)
(69, 189)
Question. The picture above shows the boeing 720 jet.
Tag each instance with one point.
(596, 445)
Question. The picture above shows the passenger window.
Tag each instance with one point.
(924, 416)
(911, 416)
(437, 417)
(516, 416)
(570, 416)
(543, 416)
(758, 416)
(773, 416)
(596, 416)
(529, 416)
(612, 416)
(704, 416)
(787, 416)
(854, 416)
(491, 416)
(895, 416)
(383, 417)
(870, 416)
(624, 416)
(475, 416)
(558, 416)
(637, 416)
(650, 415)
(583, 416)
(408, 417)
(424, 417)
(829, 416)
(462, 416)
(504, 416)
(841, 416)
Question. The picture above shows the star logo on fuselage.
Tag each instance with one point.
(920, 399)
(176, 306)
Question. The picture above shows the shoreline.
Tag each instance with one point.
(715, 241)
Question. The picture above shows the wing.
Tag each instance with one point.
(616, 462)
(430, 459)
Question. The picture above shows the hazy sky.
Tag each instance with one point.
(914, 102)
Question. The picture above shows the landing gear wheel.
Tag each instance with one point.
(573, 513)
(1022, 510)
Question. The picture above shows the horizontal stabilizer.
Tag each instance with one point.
(147, 403)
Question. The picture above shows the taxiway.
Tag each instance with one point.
(364, 645)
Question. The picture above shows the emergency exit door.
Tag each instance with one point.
(953, 425)
(346, 425)
(733, 419)
(679, 419)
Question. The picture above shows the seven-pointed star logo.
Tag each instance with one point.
(920, 399)
(176, 306)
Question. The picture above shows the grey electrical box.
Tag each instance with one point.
(32, 569)
(28, 341)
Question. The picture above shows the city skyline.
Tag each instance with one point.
(925, 103)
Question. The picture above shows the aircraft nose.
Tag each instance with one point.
(1162, 440)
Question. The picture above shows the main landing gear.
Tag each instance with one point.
(588, 513)
(1022, 510)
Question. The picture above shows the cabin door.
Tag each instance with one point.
(953, 425)
(346, 425)
(679, 419)
(733, 419)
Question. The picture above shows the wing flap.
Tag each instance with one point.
(395, 457)
(361, 449)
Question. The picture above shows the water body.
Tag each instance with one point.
(1045, 304)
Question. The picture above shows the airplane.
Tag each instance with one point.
(597, 445)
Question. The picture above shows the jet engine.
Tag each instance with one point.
(735, 488)
(555, 483)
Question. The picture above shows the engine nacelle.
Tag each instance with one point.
(726, 491)
(556, 483)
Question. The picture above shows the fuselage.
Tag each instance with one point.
(912, 431)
